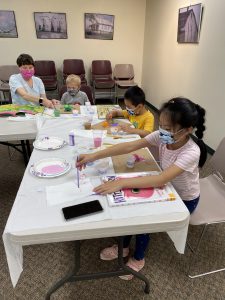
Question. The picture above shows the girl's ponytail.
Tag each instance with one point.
(200, 128)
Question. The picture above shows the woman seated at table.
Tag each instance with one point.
(26, 88)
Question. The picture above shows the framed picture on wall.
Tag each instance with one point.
(8, 24)
(50, 25)
(189, 24)
(98, 26)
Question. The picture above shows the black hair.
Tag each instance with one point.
(24, 59)
(135, 95)
(187, 114)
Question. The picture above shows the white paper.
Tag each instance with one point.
(67, 192)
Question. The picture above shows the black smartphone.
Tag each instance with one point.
(82, 209)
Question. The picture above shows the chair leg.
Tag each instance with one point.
(193, 258)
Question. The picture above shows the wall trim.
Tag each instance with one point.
(209, 149)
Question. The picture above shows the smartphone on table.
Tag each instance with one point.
(79, 210)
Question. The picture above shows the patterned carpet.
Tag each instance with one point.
(165, 268)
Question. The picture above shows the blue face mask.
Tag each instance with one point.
(166, 137)
(130, 111)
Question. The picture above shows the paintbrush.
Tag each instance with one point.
(78, 175)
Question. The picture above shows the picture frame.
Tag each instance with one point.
(8, 27)
(98, 26)
(50, 25)
(189, 23)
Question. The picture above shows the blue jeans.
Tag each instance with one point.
(142, 240)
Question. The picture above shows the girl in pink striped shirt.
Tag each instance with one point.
(180, 156)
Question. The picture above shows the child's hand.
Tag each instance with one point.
(109, 187)
(127, 128)
(109, 116)
(55, 102)
(83, 159)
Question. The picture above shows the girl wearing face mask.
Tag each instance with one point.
(180, 157)
(73, 94)
(141, 118)
(25, 88)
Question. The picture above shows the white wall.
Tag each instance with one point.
(126, 46)
(196, 71)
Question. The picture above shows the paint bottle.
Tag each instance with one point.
(71, 138)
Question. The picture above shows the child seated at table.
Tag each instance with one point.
(73, 94)
(180, 157)
(135, 112)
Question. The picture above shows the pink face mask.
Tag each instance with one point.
(27, 74)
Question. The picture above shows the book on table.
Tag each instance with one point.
(18, 110)
(138, 196)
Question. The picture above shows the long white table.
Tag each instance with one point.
(31, 221)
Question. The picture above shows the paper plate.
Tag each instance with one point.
(49, 143)
(50, 167)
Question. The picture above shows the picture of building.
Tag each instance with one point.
(189, 22)
(99, 26)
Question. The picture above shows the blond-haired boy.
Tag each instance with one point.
(73, 94)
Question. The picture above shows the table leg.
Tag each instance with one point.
(28, 148)
(72, 275)
(24, 152)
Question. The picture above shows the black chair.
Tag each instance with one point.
(74, 66)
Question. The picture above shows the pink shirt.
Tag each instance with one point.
(186, 158)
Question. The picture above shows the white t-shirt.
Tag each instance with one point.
(186, 158)
(16, 81)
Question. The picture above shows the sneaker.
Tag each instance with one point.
(111, 253)
(134, 264)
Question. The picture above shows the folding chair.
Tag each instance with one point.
(74, 66)
(124, 77)
(211, 207)
(45, 69)
(102, 80)
(5, 72)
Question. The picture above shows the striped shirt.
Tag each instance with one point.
(186, 158)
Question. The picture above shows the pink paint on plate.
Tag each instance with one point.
(53, 169)
(142, 193)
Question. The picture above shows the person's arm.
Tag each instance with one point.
(141, 182)
(127, 128)
(148, 127)
(23, 93)
(114, 113)
(122, 148)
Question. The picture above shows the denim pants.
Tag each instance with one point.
(142, 240)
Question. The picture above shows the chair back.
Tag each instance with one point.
(84, 88)
(217, 159)
(123, 71)
(44, 68)
(74, 66)
(101, 68)
(6, 71)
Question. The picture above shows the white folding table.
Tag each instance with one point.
(32, 221)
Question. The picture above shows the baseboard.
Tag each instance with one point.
(209, 149)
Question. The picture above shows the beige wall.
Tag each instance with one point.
(126, 47)
(196, 71)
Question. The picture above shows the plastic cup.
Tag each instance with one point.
(87, 125)
(97, 138)
(103, 166)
